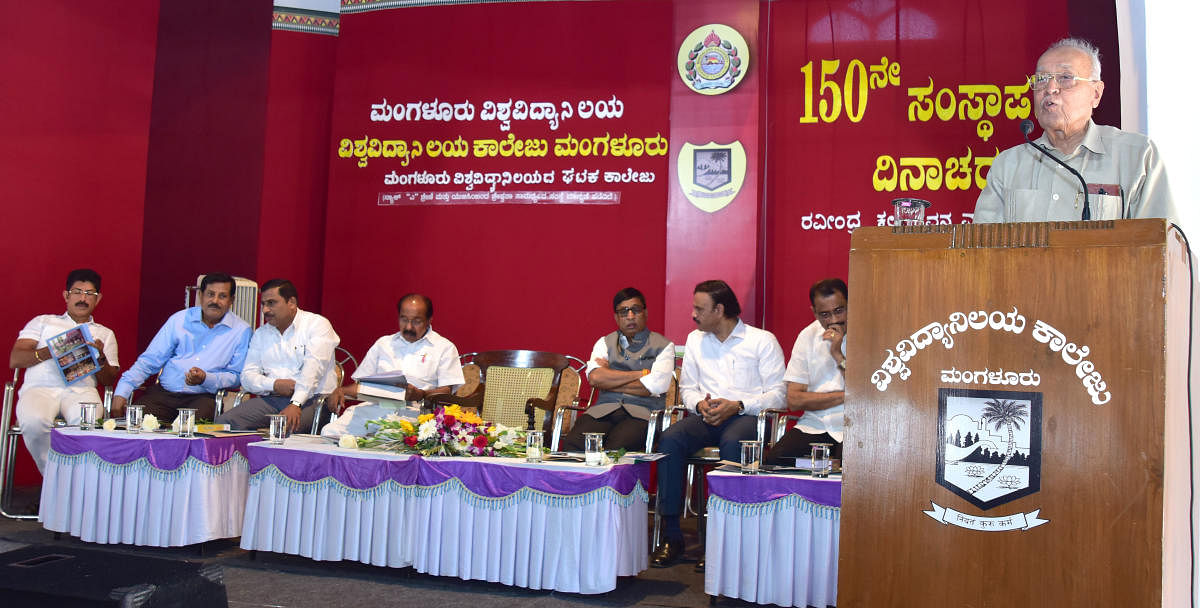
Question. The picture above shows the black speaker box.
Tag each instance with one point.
(41, 575)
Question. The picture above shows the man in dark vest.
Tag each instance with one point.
(631, 368)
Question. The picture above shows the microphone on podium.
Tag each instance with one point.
(1026, 129)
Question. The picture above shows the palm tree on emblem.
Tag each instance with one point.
(1002, 412)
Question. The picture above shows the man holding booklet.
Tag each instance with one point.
(404, 366)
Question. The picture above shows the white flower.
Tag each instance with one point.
(427, 429)
(149, 422)
(393, 417)
(176, 424)
(110, 424)
(347, 441)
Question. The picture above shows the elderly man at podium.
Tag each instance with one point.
(428, 361)
(816, 376)
(1123, 171)
(731, 371)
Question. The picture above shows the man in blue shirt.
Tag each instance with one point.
(199, 351)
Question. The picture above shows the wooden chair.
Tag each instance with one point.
(10, 433)
(510, 386)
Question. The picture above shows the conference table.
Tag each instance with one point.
(149, 488)
(773, 539)
(554, 525)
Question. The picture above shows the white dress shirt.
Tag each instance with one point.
(44, 327)
(746, 367)
(303, 353)
(812, 365)
(428, 363)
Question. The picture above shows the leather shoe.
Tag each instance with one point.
(666, 554)
(700, 565)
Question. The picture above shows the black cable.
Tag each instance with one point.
(1191, 442)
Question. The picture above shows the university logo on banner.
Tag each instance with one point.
(711, 175)
(989, 453)
(713, 59)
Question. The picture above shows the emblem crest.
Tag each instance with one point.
(989, 444)
(713, 59)
(711, 175)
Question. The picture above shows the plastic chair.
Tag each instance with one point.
(341, 357)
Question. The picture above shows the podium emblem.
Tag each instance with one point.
(713, 59)
(989, 444)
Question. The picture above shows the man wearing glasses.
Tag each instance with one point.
(44, 394)
(197, 352)
(428, 361)
(1124, 172)
(631, 368)
(816, 377)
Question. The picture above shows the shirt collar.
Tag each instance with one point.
(196, 315)
(639, 339)
(399, 337)
(1091, 140)
(739, 332)
(67, 315)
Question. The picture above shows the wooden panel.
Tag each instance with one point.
(1102, 466)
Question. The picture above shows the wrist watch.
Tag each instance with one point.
(741, 408)
(296, 404)
(842, 365)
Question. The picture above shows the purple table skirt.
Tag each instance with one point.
(751, 489)
(487, 479)
(165, 454)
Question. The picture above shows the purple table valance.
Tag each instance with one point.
(163, 453)
(486, 479)
(751, 489)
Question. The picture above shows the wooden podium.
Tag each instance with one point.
(1016, 417)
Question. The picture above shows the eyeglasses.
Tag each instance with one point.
(91, 293)
(829, 314)
(1039, 82)
(637, 310)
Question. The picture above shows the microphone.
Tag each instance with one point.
(1026, 129)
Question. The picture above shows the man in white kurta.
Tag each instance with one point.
(428, 361)
(44, 392)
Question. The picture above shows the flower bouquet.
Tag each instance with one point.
(448, 431)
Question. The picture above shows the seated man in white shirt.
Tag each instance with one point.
(44, 393)
(289, 363)
(816, 377)
(631, 368)
(428, 361)
(731, 371)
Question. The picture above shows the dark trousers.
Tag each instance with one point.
(795, 444)
(165, 405)
(682, 440)
(620, 428)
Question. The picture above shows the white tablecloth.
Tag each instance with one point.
(782, 551)
(529, 538)
(137, 503)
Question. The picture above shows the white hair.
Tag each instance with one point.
(1083, 46)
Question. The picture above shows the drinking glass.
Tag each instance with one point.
(187, 422)
(133, 418)
(822, 466)
(593, 453)
(277, 432)
(751, 450)
(909, 211)
(533, 446)
(87, 415)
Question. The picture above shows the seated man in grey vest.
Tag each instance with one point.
(631, 368)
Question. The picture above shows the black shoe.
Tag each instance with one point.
(700, 565)
(666, 554)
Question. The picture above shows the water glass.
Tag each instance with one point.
(751, 453)
(133, 418)
(87, 415)
(187, 422)
(277, 431)
(533, 446)
(910, 211)
(593, 452)
(822, 466)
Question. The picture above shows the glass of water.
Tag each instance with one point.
(751, 453)
(187, 422)
(533, 446)
(822, 466)
(277, 431)
(593, 449)
(133, 418)
(87, 415)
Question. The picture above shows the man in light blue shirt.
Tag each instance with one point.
(199, 351)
